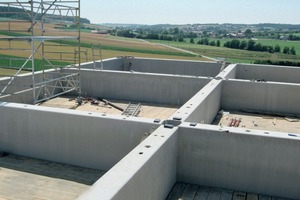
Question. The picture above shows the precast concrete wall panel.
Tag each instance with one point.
(21, 86)
(205, 105)
(162, 89)
(189, 68)
(239, 161)
(268, 97)
(108, 64)
(268, 73)
(71, 137)
(148, 172)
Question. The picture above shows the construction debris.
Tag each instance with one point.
(132, 109)
(292, 119)
(111, 104)
(235, 122)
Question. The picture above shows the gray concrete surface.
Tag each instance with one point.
(270, 97)
(206, 103)
(71, 137)
(147, 172)
(268, 72)
(191, 68)
(239, 160)
(21, 86)
(108, 64)
(197, 153)
(140, 87)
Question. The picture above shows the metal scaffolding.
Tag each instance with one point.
(42, 36)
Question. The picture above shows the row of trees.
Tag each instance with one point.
(152, 35)
(205, 41)
(293, 37)
(288, 50)
(251, 45)
(18, 13)
(282, 63)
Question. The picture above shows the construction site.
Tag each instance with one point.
(142, 128)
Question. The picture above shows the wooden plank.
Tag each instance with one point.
(202, 193)
(226, 195)
(177, 191)
(251, 196)
(264, 197)
(190, 192)
(239, 196)
(278, 198)
(214, 194)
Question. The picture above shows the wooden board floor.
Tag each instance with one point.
(259, 122)
(28, 178)
(184, 191)
(154, 111)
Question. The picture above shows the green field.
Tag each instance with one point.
(236, 55)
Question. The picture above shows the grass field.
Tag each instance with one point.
(236, 55)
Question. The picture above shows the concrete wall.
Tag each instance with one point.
(271, 97)
(67, 136)
(163, 89)
(204, 106)
(108, 64)
(229, 72)
(21, 86)
(148, 172)
(241, 161)
(190, 68)
(268, 73)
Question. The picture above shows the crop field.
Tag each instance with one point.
(62, 53)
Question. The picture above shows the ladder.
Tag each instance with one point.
(97, 55)
(132, 109)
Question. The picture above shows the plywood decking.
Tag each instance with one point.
(147, 110)
(259, 121)
(184, 191)
(28, 178)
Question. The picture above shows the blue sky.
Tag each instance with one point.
(191, 11)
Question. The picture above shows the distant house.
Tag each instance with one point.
(99, 31)
(283, 37)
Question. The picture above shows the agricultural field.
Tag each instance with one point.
(63, 52)
(236, 55)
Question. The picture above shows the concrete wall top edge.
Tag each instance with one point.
(147, 73)
(161, 59)
(243, 131)
(76, 112)
(257, 82)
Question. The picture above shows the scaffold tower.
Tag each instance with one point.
(42, 37)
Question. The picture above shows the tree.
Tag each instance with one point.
(257, 47)
(243, 45)
(176, 31)
(250, 45)
(270, 49)
(212, 43)
(192, 41)
(277, 49)
(180, 39)
(286, 50)
(218, 43)
(248, 33)
(293, 51)
(205, 41)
